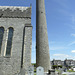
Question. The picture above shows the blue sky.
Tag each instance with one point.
(60, 15)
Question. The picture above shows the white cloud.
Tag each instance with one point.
(73, 21)
(57, 48)
(72, 43)
(33, 45)
(62, 56)
(33, 56)
(33, 61)
(73, 51)
(72, 34)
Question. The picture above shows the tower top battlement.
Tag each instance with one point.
(15, 12)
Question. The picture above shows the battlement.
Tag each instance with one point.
(15, 12)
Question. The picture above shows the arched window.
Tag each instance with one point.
(1, 37)
(9, 42)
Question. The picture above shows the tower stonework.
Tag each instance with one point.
(42, 46)
(19, 58)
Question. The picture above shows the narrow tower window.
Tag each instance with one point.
(1, 37)
(9, 42)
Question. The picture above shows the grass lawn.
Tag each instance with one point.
(70, 71)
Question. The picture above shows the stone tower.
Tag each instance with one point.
(42, 46)
(15, 40)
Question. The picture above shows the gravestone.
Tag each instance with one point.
(31, 70)
(40, 71)
(60, 71)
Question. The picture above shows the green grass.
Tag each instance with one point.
(70, 71)
(57, 70)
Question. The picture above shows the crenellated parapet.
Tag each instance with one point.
(15, 12)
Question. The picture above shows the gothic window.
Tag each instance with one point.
(1, 37)
(9, 42)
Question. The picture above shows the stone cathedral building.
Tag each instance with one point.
(15, 39)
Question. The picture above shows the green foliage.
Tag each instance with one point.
(56, 66)
(34, 67)
(34, 64)
(70, 70)
(60, 66)
(69, 66)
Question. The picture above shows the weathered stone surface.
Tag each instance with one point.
(18, 18)
(27, 49)
(42, 46)
(14, 11)
(40, 71)
(31, 70)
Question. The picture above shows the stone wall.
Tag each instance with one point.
(19, 18)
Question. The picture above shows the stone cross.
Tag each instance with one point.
(31, 70)
(40, 71)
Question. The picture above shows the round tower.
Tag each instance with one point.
(42, 46)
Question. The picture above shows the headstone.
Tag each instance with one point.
(60, 71)
(31, 70)
(40, 71)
